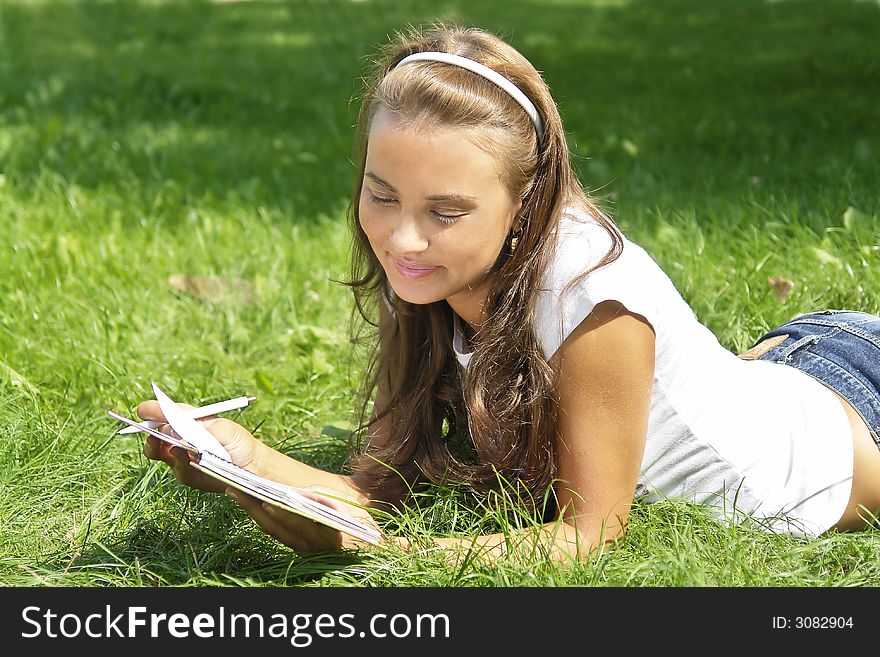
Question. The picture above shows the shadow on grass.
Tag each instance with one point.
(676, 102)
(175, 536)
(155, 552)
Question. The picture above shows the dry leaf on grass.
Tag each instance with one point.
(214, 289)
(782, 287)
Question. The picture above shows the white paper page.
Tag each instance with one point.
(189, 429)
(286, 497)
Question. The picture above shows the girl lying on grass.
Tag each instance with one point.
(522, 338)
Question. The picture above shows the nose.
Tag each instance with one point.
(406, 237)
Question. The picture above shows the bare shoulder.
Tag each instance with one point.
(606, 365)
(610, 333)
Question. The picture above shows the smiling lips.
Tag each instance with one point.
(412, 270)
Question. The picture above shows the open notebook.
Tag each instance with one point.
(213, 459)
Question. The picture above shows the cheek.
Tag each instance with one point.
(483, 249)
(369, 221)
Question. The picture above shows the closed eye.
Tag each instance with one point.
(380, 200)
(442, 218)
(446, 218)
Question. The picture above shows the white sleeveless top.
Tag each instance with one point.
(744, 437)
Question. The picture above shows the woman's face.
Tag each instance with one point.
(436, 214)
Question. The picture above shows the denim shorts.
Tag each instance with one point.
(841, 349)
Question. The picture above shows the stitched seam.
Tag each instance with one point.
(806, 341)
(819, 321)
(855, 330)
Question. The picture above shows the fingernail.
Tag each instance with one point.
(232, 495)
(268, 508)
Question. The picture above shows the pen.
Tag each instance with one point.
(195, 413)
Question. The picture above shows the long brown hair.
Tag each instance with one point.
(498, 421)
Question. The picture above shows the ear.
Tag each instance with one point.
(515, 220)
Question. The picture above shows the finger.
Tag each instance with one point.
(150, 410)
(208, 420)
(317, 536)
(157, 450)
(348, 508)
(255, 510)
(225, 430)
(321, 499)
(168, 430)
(181, 466)
(151, 447)
(400, 541)
(292, 536)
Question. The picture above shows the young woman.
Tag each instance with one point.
(523, 339)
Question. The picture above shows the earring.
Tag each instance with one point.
(514, 238)
(515, 234)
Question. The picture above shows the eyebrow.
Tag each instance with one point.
(434, 197)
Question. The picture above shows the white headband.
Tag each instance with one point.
(487, 73)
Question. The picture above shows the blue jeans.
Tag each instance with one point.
(841, 349)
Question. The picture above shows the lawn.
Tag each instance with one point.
(737, 141)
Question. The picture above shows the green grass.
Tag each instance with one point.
(735, 140)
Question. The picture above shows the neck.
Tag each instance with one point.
(470, 304)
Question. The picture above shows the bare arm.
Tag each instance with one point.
(606, 371)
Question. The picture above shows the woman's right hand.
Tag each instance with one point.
(244, 449)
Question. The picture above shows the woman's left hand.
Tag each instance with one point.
(296, 531)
